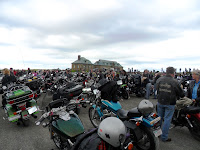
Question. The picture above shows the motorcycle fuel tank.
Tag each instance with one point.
(71, 128)
(112, 105)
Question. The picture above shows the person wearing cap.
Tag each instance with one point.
(168, 89)
(193, 91)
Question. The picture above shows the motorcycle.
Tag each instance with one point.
(135, 85)
(142, 124)
(64, 125)
(123, 90)
(66, 129)
(188, 115)
(19, 104)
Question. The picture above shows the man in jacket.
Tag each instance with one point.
(168, 90)
(194, 88)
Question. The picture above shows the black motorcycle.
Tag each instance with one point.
(187, 114)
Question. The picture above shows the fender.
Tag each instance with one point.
(135, 130)
(98, 110)
(197, 116)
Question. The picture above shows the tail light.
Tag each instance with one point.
(71, 95)
(31, 96)
(14, 113)
(36, 95)
(23, 108)
(130, 146)
(154, 115)
(11, 102)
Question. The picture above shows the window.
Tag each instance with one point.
(78, 66)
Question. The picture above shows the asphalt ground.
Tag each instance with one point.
(14, 137)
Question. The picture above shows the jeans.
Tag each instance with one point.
(165, 112)
(154, 91)
(148, 90)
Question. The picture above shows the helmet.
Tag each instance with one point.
(113, 131)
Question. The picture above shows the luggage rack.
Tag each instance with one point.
(26, 96)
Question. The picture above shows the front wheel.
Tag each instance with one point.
(94, 117)
(125, 94)
(148, 141)
(59, 142)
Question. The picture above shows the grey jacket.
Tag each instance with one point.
(168, 90)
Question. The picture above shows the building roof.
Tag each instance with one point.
(82, 60)
(107, 63)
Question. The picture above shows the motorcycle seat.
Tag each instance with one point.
(122, 114)
(192, 110)
(134, 112)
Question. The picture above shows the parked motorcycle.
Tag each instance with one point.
(19, 104)
(135, 85)
(67, 131)
(188, 115)
(143, 125)
(123, 90)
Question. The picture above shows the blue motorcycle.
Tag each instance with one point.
(142, 124)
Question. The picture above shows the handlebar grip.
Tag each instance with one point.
(39, 121)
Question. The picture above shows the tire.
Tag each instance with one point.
(149, 141)
(59, 142)
(125, 94)
(195, 131)
(25, 122)
(78, 110)
(94, 117)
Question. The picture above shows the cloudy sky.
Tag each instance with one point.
(150, 34)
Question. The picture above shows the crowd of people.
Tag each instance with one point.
(165, 86)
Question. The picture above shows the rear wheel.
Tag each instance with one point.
(25, 122)
(148, 141)
(94, 117)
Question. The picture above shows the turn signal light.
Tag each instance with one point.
(130, 146)
(14, 113)
(189, 116)
(137, 123)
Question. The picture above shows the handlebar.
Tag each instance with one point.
(39, 121)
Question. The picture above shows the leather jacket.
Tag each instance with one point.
(168, 90)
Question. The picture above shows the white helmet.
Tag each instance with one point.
(113, 131)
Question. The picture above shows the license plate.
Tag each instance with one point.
(157, 132)
(127, 89)
(155, 120)
(32, 110)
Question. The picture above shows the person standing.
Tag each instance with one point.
(146, 83)
(194, 88)
(168, 90)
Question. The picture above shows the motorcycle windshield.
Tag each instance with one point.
(71, 128)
